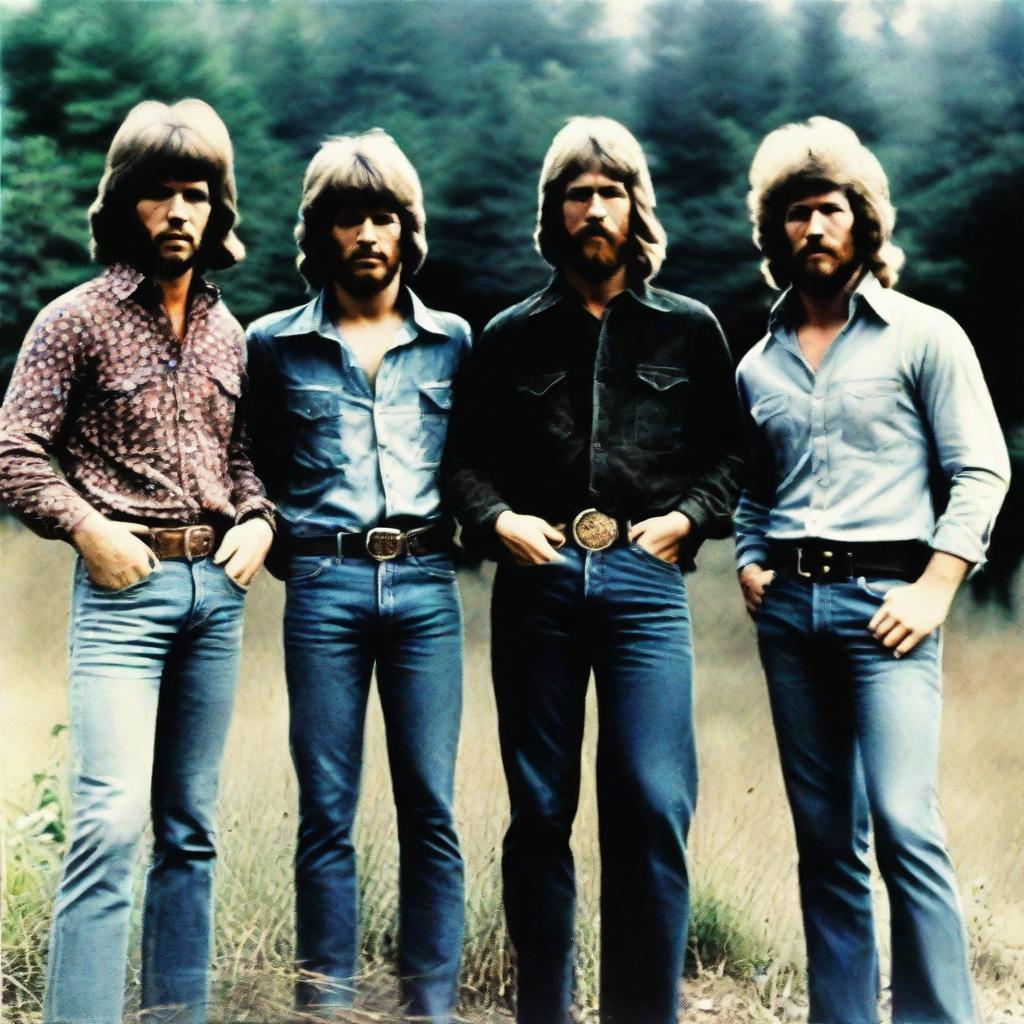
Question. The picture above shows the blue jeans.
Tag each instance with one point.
(342, 617)
(623, 614)
(152, 681)
(858, 734)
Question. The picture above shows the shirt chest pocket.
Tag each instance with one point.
(784, 426)
(869, 413)
(211, 394)
(663, 406)
(544, 407)
(126, 398)
(313, 411)
(435, 407)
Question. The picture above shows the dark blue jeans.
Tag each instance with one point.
(858, 734)
(153, 671)
(623, 614)
(341, 619)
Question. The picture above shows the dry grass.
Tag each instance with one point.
(746, 909)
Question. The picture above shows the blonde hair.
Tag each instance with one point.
(582, 143)
(358, 168)
(186, 141)
(821, 154)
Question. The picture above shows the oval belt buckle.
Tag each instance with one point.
(594, 530)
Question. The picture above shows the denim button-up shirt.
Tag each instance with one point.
(340, 454)
(852, 451)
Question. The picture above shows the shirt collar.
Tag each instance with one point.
(869, 293)
(125, 281)
(559, 290)
(315, 317)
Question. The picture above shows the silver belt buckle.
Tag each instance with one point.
(194, 546)
(385, 543)
(594, 531)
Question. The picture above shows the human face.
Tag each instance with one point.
(174, 215)
(820, 232)
(596, 212)
(368, 248)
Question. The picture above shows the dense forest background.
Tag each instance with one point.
(474, 91)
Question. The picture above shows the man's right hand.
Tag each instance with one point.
(114, 556)
(753, 582)
(529, 538)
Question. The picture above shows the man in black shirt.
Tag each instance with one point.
(592, 448)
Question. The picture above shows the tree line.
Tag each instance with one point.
(473, 92)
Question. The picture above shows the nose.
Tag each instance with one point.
(597, 210)
(177, 209)
(816, 223)
(366, 232)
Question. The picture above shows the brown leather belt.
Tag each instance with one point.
(826, 561)
(188, 542)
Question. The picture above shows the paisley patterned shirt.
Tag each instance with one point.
(142, 425)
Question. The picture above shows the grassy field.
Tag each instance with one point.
(748, 940)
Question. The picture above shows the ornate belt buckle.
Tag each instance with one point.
(385, 543)
(594, 530)
(197, 541)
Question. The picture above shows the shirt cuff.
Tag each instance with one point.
(256, 508)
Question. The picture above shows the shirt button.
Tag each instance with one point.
(172, 364)
(597, 446)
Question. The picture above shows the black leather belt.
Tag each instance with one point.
(826, 561)
(382, 543)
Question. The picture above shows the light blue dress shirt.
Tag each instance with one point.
(849, 452)
(337, 453)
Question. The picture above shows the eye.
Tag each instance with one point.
(612, 192)
(385, 219)
(578, 195)
(197, 195)
(347, 219)
(157, 191)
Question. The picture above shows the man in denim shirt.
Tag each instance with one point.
(859, 401)
(594, 447)
(350, 399)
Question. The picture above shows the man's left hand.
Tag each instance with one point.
(243, 549)
(909, 614)
(660, 535)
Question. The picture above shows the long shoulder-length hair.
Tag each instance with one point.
(185, 141)
(820, 155)
(587, 142)
(366, 169)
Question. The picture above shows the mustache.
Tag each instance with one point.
(594, 231)
(170, 236)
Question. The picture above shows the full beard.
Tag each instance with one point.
(363, 286)
(597, 264)
(823, 286)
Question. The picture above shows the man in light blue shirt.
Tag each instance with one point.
(876, 470)
(350, 396)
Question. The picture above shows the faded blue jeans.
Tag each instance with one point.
(858, 734)
(623, 614)
(152, 682)
(341, 619)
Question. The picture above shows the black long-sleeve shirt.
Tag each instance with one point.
(635, 414)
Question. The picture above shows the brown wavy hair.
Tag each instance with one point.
(820, 155)
(185, 141)
(358, 169)
(585, 142)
